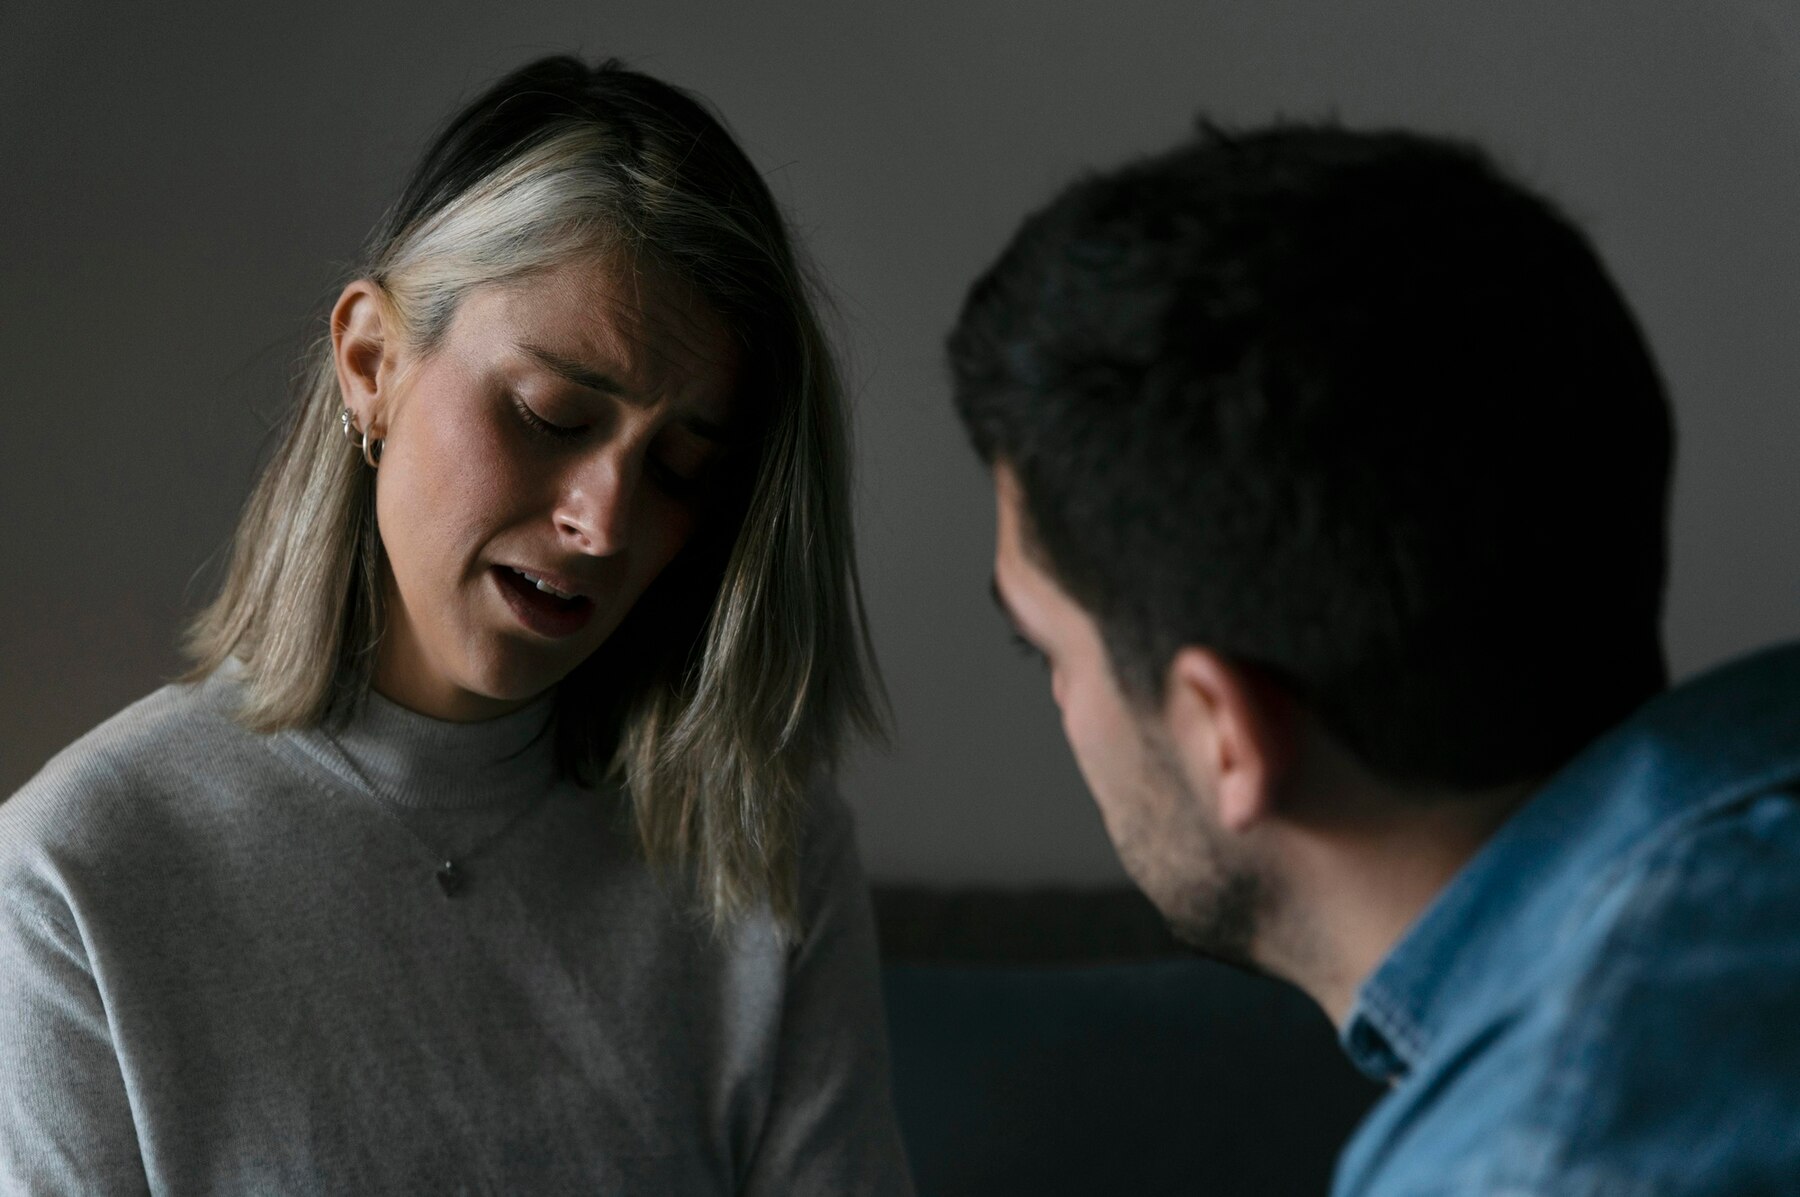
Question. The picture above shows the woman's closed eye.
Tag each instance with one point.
(543, 427)
(681, 471)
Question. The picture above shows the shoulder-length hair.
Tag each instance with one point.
(739, 672)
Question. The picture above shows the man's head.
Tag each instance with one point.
(1310, 420)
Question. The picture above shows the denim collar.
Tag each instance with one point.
(1727, 735)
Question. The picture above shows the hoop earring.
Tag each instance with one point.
(371, 449)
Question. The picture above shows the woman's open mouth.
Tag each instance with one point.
(540, 606)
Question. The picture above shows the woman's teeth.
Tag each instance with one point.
(541, 584)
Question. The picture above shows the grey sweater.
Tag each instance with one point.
(227, 966)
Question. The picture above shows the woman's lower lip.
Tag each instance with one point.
(539, 612)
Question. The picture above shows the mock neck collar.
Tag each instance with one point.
(1726, 735)
(418, 761)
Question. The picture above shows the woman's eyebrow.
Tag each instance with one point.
(573, 371)
(598, 380)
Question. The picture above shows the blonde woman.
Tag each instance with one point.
(484, 849)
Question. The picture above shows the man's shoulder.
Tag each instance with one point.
(1699, 920)
(1648, 1049)
(1675, 1035)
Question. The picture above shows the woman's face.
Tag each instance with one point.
(541, 465)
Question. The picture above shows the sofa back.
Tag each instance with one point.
(1060, 1042)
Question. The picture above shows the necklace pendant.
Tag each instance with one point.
(451, 878)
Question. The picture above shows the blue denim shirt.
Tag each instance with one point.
(1605, 1002)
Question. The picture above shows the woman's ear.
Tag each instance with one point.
(1232, 732)
(361, 347)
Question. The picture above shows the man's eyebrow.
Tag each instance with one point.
(597, 380)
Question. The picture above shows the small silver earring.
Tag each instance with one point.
(371, 449)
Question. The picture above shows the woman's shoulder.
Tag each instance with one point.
(829, 859)
(828, 826)
(149, 750)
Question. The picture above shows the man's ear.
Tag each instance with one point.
(362, 349)
(1232, 732)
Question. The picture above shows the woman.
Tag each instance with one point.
(483, 849)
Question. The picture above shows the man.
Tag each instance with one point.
(1332, 475)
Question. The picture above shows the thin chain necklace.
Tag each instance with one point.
(452, 875)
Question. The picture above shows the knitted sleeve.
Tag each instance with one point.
(831, 1127)
(65, 1117)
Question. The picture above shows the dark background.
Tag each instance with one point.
(180, 186)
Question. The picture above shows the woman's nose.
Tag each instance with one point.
(594, 507)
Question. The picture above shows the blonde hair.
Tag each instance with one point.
(734, 680)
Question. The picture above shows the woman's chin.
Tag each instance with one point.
(500, 691)
(481, 690)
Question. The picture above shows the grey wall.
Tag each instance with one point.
(178, 189)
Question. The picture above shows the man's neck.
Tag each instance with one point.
(1355, 881)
